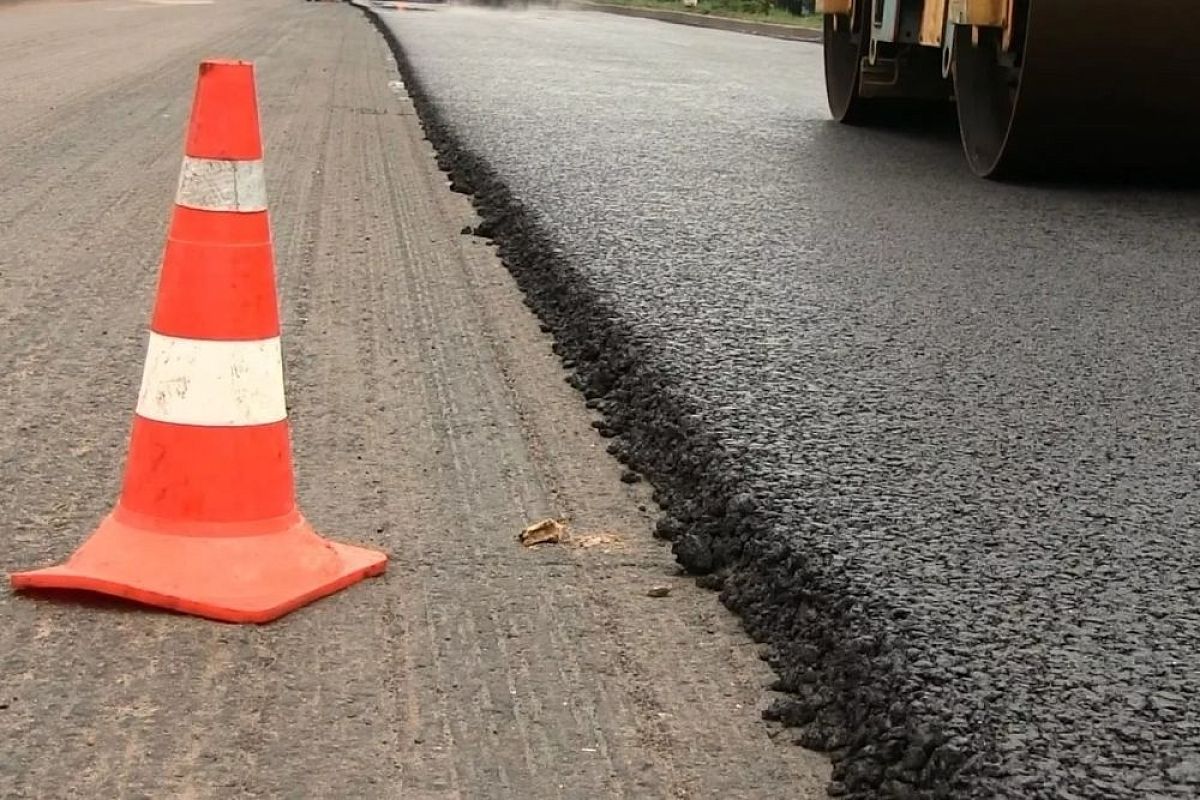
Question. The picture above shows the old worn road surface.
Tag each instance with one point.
(937, 436)
(430, 419)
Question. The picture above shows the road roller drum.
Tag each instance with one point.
(1042, 87)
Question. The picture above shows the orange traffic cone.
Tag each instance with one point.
(207, 521)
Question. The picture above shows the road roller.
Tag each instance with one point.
(1040, 86)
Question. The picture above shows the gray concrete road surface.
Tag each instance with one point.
(430, 419)
(936, 437)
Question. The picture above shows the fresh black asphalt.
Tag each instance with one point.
(934, 438)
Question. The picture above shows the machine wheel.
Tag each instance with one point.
(1102, 93)
(847, 42)
(986, 85)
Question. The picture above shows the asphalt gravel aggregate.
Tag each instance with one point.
(933, 438)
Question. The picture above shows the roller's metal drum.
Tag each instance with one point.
(1105, 87)
(846, 43)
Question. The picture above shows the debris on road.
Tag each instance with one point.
(548, 531)
(659, 591)
(555, 531)
(587, 541)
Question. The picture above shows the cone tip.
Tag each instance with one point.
(210, 64)
(224, 119)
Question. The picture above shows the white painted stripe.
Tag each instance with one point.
(212, 383)
(216, 185)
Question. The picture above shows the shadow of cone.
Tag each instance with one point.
(207, 522)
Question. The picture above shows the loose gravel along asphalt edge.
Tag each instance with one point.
(841, 675)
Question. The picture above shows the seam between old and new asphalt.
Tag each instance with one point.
(826, 648)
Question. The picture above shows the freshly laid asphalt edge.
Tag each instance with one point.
(840, 670)
(774, 30)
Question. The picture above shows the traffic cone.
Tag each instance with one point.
(207, 522)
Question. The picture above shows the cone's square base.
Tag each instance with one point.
(255, 573)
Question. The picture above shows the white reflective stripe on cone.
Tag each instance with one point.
(212, 383)
(215, 185)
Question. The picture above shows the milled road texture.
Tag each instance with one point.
(936, 438)
(430, 418)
